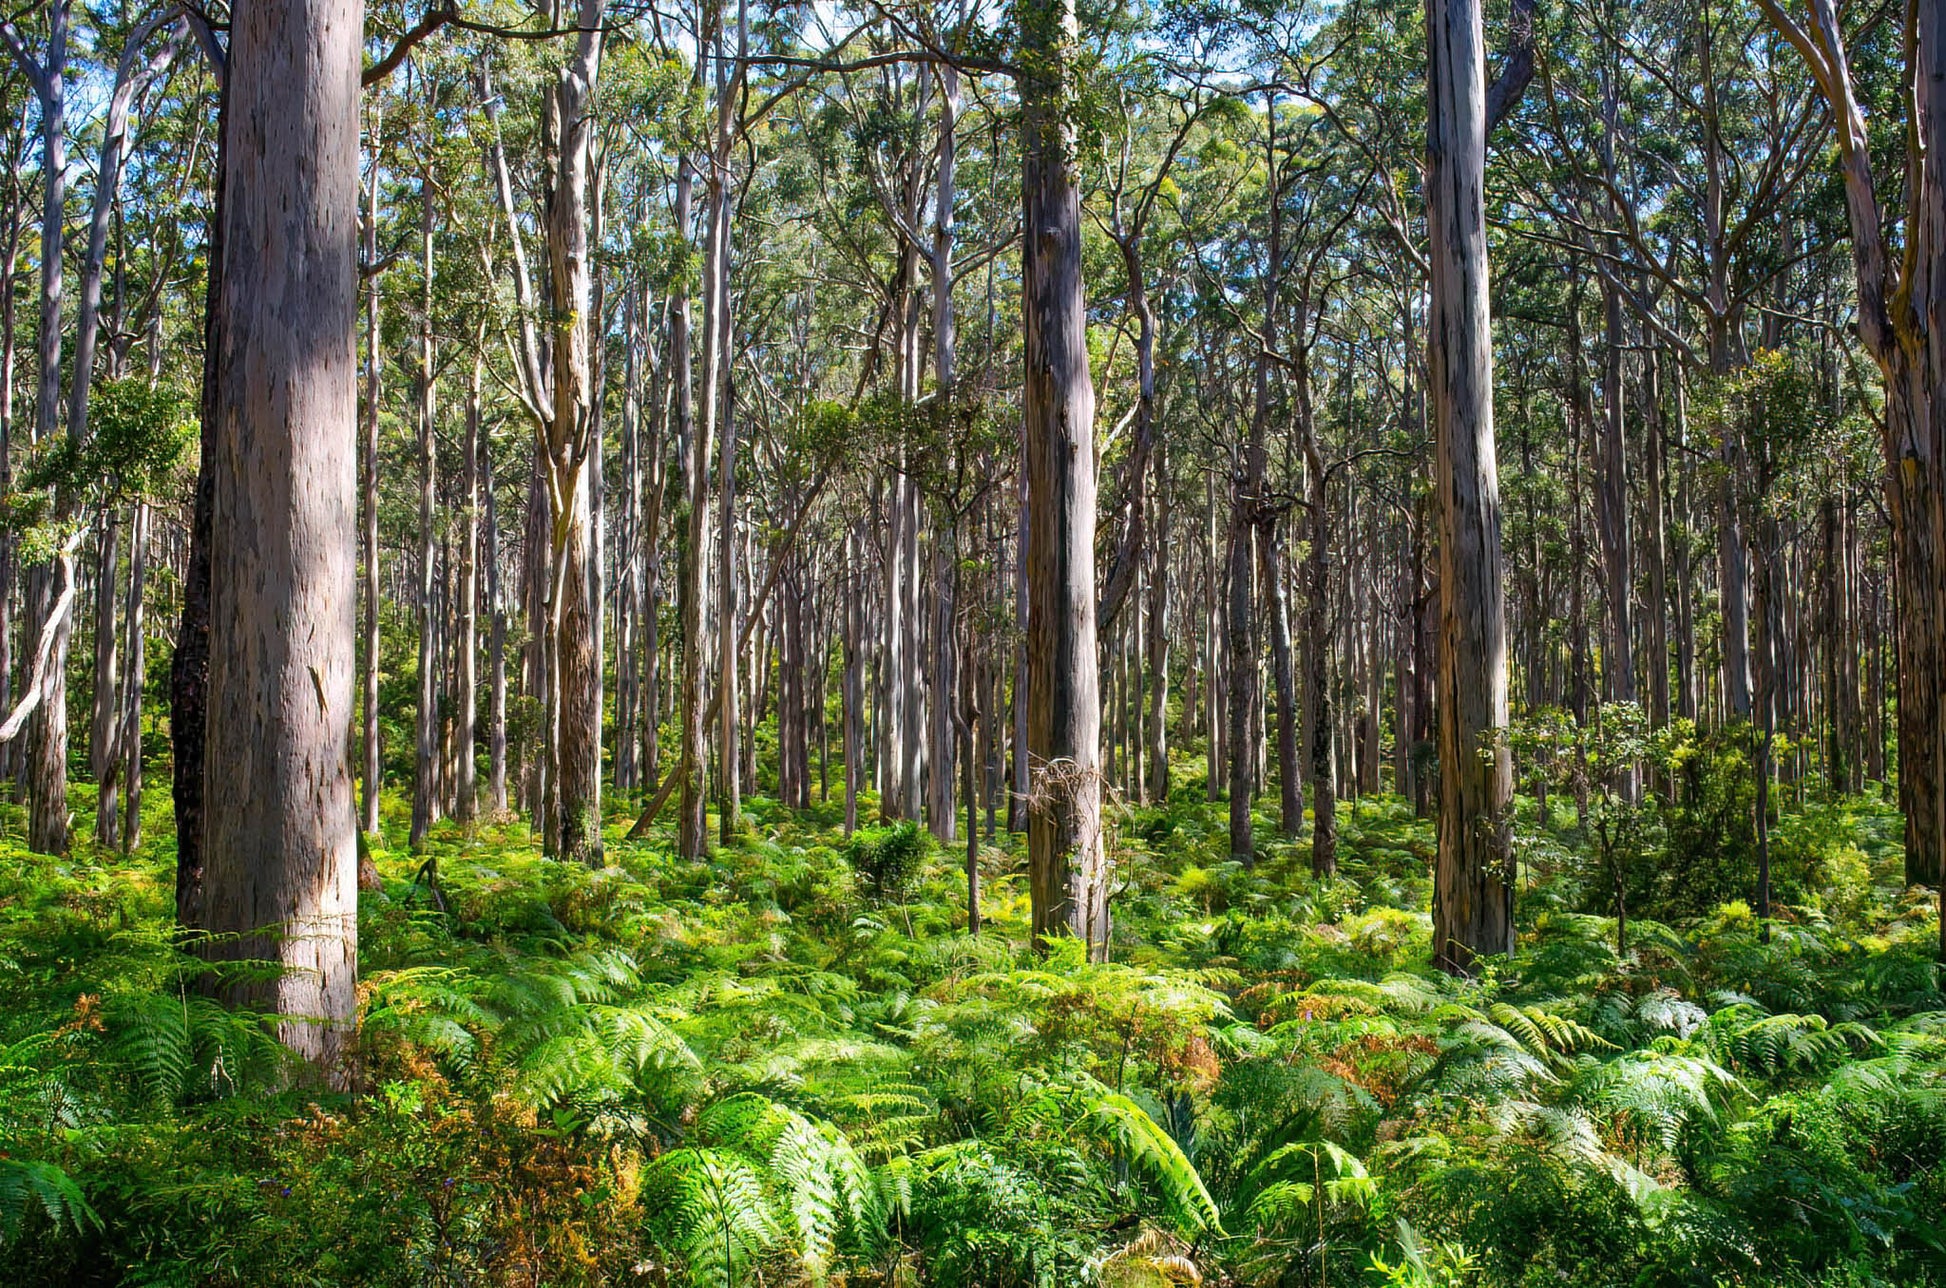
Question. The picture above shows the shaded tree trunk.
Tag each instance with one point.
(1473, 884)
(1066, 857)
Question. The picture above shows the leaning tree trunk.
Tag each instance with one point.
(282, 863)
(1066, 858)
(1473, 884)
(1897, 299)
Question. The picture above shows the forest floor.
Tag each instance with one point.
(790, 1063)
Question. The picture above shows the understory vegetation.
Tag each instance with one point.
(790, 1063)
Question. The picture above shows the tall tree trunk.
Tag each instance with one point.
(134, 678)
(496, 646)
(9, 348)
(692, 823)
(1277, 616)
(1158, 635)
(1245, 711)
(1321, 746)
(372, 778)
(1656, 506)
(104, 753)
(428, 590)
(575, 690)
(1473, 885)
(1066, 856)
(466, 802)
(854, 680)
(1898, 298)
(47, 747)
(189, 668)
(1612, 518)
(282, 854)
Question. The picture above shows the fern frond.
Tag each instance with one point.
(1156, 1152)
(714, 1212)
(27, 1185)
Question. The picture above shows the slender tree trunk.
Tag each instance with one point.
(372, 778)
(1277, 616)
(466, 803)
(1612, 517)
(854, 682)
(9, 348)
(692, 824)
(496, 646)
(1656, 505)
(1321, 745)
(282, 854)
(135, 678)
(104, 734)
(428, 589)
(47, 746)
(1158, 635)
(1473, 888)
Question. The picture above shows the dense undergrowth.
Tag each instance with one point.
(791, 1064)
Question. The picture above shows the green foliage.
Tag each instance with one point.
(28, 1187)
(726, 1072)
(886, 859)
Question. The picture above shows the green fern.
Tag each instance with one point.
(185, 1046)
(1155, 1152)
(27, 1185)
(714, 1213)
(820, 1187)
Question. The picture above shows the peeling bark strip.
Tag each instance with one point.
(1064, 839)
(281, 852)
(1473, 882)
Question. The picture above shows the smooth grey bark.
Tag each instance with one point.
(1157, 643)
(496, 646)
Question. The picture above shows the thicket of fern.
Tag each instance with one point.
(790, 1064)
